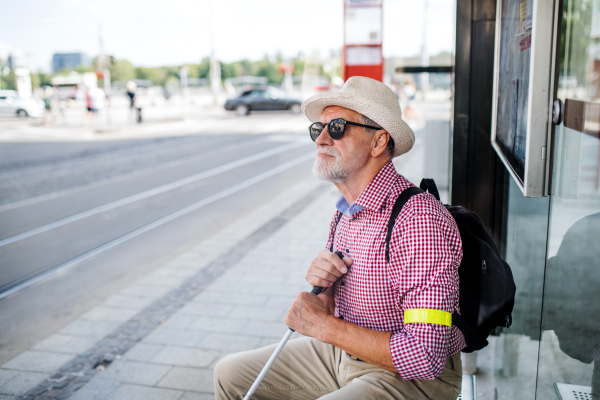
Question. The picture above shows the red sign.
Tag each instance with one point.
(526, 43)
(362, 39)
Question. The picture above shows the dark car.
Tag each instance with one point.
(262, 100)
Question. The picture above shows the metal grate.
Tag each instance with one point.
(572, 392)
(468, 388)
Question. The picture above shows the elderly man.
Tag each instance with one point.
(358, 344)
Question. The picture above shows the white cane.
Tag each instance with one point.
(315, 290)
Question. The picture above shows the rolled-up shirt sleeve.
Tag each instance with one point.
(424, 261)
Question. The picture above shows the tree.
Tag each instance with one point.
(155, 75)
(7, 82)
(122, 70)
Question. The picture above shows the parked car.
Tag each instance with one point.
(12, 104)
(262, 100)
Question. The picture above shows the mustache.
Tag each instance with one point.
(330, 151)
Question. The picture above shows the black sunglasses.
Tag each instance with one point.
(335, 127)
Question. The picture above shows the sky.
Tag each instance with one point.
(156, 33)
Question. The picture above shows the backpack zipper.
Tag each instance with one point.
(483, 266)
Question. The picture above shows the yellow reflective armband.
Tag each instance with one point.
(427, 316)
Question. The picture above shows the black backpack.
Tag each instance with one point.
(487, 288)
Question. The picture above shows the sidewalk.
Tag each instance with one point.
(161, 337)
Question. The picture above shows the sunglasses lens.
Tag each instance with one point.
(315, 130)
(336, 128)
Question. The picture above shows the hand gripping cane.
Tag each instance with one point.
(315, 290)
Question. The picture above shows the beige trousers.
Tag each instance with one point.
(309, 369)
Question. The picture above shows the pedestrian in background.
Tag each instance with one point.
(88, 105)
(97, 97)
(47, 105)
(131, 89)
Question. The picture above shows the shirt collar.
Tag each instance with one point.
(374, 195)
(342, 206)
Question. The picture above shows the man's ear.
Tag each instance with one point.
(379, 143)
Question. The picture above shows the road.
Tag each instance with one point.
(81, 219)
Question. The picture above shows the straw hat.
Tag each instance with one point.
(370, 98)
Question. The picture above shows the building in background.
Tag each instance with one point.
(68, 60)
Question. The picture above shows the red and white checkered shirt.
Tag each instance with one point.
(425, 253)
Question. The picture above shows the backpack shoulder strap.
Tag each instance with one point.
(337, 221)
(428, 185)
(400, 202)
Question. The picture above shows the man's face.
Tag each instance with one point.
(337, 159)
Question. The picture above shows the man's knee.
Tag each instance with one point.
(225, 375)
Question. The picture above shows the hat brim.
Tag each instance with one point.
(392, 122)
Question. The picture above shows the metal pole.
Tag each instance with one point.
(268, 364)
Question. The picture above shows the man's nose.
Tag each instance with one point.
(324, 138)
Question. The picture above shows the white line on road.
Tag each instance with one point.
(161, 221)
(152, 192)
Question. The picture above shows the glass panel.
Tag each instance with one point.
(569, 363)
(513, 354)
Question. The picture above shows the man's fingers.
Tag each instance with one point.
(319, 264)
(337, 263)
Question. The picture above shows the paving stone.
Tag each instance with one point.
(254, 278)
(230, 287)
(143, 352)
(65, 344)
(134, 392)
(189, 379)
(146, 291)
(112, 314)
(161, 281)
(6, 375)
(243, 299)
(178, 273)
(231, 343)
(280, 301)
(124, 371)
(175, 337)
(131, 302)
(38, 361)
(265, 329)
(256, 313)
(274, 289)
(206, 309)
(210, 297)
(22, 383)
(179, 321)
(213, 324)
(185, 357)
(96, 390)
(97, 329)
(194, 396)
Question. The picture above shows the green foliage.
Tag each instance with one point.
(122, 71)
(40, 79)
(157, 76)
(9, 82)
(266, 67)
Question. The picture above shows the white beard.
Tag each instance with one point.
(334, 170)
(327, 169)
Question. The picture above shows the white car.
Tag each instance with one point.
(12, 104)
